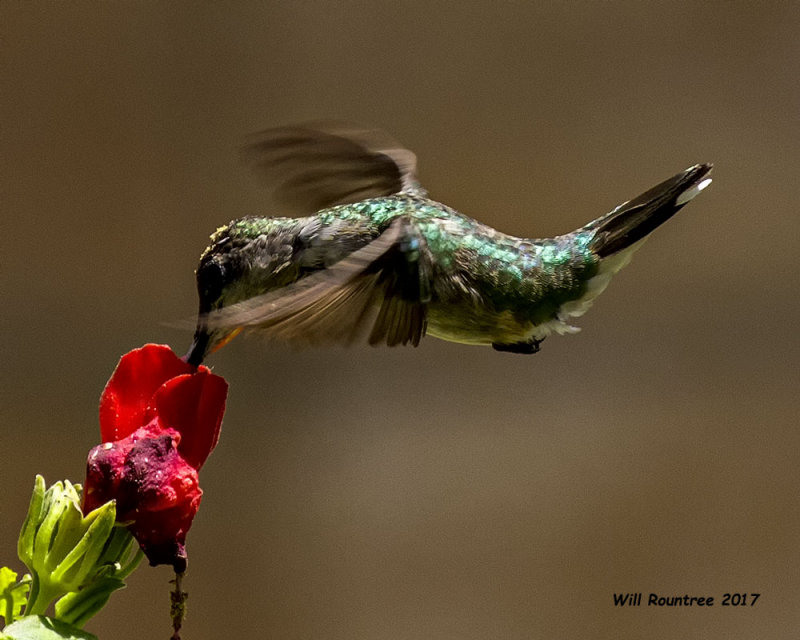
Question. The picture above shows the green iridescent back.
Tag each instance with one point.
(532, 277)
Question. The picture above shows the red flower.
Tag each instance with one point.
(159, 420)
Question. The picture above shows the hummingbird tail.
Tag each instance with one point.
(618, 234)
(632, 221)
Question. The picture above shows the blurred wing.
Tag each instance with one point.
(382, 287)
(313, 167)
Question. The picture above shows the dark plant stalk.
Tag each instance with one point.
(177, 609)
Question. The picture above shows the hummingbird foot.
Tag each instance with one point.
(529, 347)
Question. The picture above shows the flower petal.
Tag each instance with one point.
(126, 398)
(193, 405)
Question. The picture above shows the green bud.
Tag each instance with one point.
(67, 553)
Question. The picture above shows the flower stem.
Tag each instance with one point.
(177, 609)
(40, 597)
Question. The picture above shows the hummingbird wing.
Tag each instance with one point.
(382, 287)
(315, 166)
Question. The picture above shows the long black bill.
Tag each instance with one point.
(197, 352)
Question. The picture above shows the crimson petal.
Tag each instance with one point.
(193, 405)
(126, 398)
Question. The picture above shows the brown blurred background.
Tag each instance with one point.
(447, 492)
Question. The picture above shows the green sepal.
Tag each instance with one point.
(121, 555)
(54, 506)
(43, 628)
(13, 594)
(65, 537)
(76, 608)
(80, 563)
(28, 533)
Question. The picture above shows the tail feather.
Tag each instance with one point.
(617, 235)
(635, 219)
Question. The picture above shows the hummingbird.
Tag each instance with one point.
(366, 254)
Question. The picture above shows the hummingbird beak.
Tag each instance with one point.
(205, 343)
(199, 348)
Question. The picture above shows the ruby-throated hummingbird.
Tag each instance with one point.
(372, 255)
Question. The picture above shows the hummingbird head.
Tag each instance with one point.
(214, 275)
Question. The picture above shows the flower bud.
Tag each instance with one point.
(66, 551)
